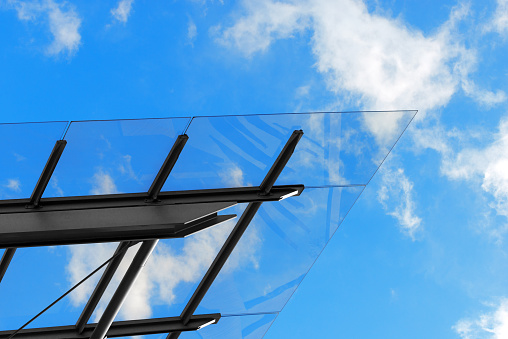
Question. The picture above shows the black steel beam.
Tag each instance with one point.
(50, 228)
(101, 286)
(238, 195)
(6, 260)
(118, 328)
(47, 173)
(123, 289)
(238, 231)
(167, 166)
(280, 162)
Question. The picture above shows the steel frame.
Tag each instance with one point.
(144, 217)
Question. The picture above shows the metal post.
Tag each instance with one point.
(123, 289)
(6, 260)
(102, 285)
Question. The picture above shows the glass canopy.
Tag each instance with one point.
(224, 162)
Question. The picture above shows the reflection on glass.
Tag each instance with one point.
(277, 250)
(24, 150)
(336, 149)
(118, 156)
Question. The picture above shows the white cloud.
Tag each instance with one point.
(122, 11)
(302, 91)
(192, 31)
(14, 185)
(487, 165)
(482, 96)
(491, 325)
(396, 196)
(265, 22)
(499, 21)
(64, 23)
(232, 176)
(378, 62)
(163, 273)
(103, 183)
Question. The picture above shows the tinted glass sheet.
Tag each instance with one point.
(277, 250)
(24, 150)
(118, 156)
(336, 149)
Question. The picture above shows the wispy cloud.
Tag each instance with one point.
(485, 167)
(192, 31)
(103, 183)
(122, 11)
(396, 196)
(62, 18)
(379, 62)
(499, 21)
(491, 325)
(13, 185)
(232, 176)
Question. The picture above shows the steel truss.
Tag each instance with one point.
(129, 218)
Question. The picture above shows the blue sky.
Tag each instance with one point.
(422, 253)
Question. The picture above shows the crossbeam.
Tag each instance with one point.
(119, 217)
(102, 224)
(237, 195)
(118, 328)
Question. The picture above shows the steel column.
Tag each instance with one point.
(123, 289)
(6, 260)
(102, 285)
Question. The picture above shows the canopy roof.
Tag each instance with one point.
(70, 189)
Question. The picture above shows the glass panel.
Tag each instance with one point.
(24, 151)
(247, 326)
(118, 156)
(336, 149)
(35, 278)
(277, 250)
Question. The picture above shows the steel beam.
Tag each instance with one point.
(238, 231)
(6, 260)
(167, 166)
(238, 195)
(47, 173)
(102, 285)
(118, 328)
(123, 289)
(101, 224)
